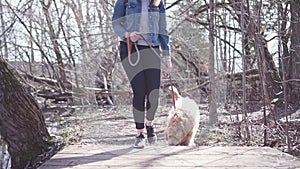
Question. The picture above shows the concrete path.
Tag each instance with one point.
(93, 156)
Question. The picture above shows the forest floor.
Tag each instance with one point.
(114, 125)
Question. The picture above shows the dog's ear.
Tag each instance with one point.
(175, 92)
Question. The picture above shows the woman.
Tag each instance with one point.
(142, 30)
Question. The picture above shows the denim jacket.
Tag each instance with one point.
(126, 18)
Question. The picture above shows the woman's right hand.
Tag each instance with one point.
(167, 64)
(134, 36)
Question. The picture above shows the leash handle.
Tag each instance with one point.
(129, 46)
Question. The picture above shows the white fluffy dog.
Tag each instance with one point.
(183, 121)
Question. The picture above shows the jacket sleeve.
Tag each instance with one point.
(118, 18)
(163, 33)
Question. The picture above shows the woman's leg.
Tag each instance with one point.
(153, 81)
(136, 77)
(152, 92)
(139, 93)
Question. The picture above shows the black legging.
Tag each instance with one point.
(145, 81)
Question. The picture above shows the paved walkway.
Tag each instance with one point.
(93, 156)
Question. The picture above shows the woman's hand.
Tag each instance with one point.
(134, 36)
(167, 64)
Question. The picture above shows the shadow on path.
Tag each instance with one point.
(80, 160)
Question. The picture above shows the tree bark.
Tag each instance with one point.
(293, 68)
(213, 117)
(22, 125)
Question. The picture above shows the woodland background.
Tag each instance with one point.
(233, 55)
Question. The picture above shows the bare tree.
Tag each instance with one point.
(293, 61)
(245, 113)
(54, 36)
(3, 41)
(279, 10)
(213, 117)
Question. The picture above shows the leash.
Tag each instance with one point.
(129, 46)
(169, 74)
(172, 90)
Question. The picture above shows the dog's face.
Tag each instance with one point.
(174, 131)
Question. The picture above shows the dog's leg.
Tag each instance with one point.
(166, 134)
(187, 141)
(194, 132)
(192, 139)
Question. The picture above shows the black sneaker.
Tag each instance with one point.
(139, 141)
(151, 136)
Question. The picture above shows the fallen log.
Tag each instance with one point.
(251, 74)
(44, 80)
(55, 96)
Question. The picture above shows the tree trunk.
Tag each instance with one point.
(213, 117)
(269, 70)
(271, 74)
(293, 68)
(3, 39)
(54, 39)
(22, 125)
